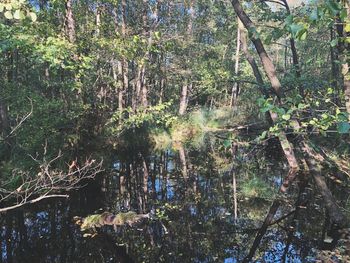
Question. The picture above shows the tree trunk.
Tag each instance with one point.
(183, 99)
(98, 21)
(143, 86)
(235, 88)
(69, 21)
(185, 86)
(4, 123)
(265, 60)
(335, 69)
(124, 64)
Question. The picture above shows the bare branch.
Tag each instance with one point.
(47, 183)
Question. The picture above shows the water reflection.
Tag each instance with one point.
(205, 211)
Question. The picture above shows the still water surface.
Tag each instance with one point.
(198, 213)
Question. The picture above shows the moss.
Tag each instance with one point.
(106, 218)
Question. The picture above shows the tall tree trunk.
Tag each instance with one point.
(265, 59)
(98, 21)
(185, 87)
(235, 88)
(69, 21)
(143, 86)
(4, 123)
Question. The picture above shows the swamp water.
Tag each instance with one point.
(202, 209)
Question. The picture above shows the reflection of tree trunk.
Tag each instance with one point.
(234, 183)
(312, 159)
(22, 231)
(8, 238)
(301, 202)
(262, 230)
(153, 178)
(182, 155)
(145, 183)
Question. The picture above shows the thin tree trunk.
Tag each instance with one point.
(235, 88)
(124, 64)
(4, 123)
(143, 86)
(98, 21)
(187, 84)
(183, 99)
(335, 69)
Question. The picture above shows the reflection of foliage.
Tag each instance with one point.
(256, 187)
(106, 218)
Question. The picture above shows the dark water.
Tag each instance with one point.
(191, 196)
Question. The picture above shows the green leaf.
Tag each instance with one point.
(33, 16)
(295, 28)
(343, 127)
(334, 42)
(8, 15)
(302, 34)
(227, 143)
(289, 20)
(347, 27)
(286, 117)
(263, 135)
(333, 6)
(17, 14)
